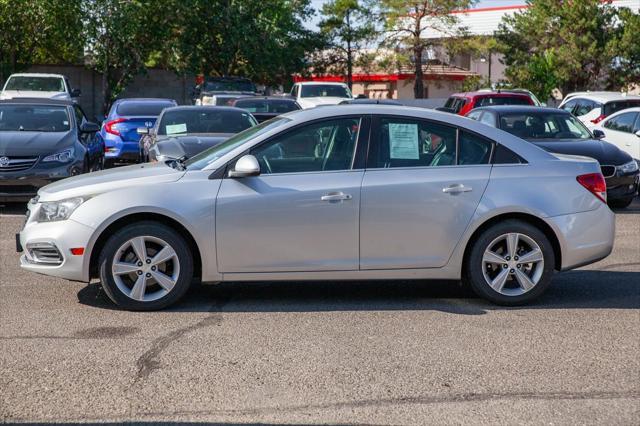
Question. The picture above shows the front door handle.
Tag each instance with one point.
(335, 196)
(456, 189)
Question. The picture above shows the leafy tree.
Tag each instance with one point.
(39, 31)
(577, 44)
(348, 26)
(412, 24)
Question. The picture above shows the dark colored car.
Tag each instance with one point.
(219, 90)
(119, 130)
(265, 108)
(41, 141)
(462, 103)
(560, 132)
(187, 130)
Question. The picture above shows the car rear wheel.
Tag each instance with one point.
(510, 263)
(146, 266)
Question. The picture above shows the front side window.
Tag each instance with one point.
(36, 84)
(622, 123)
(189, 121)
(413, 143)
(489, 119)
(34, 118)
(570, 105)
(585, 107)
(324, 146)
(325, 91)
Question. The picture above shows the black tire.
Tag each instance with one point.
(153, 230)
(621, 203)
(473, 271)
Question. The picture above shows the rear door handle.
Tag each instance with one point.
(335, 196)
(456, 189)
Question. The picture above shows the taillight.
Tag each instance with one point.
(595, 184)
(111, 126)
(599, 119)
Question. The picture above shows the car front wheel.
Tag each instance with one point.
(510, 263)
(145, 266)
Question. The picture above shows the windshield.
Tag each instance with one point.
(185, 121)
(36, 84)
(34, 118)
(229, 86)
(208, 156)
(275, 106)
(149, 109)
(324, 91)
(544, 126)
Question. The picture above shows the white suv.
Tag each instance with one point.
(311, 94)
(37, 85)
(623, 130)
(593, 107)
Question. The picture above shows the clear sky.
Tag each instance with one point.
(317, 5)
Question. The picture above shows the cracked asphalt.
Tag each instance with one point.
(318, 353)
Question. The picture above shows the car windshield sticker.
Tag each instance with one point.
(172, 129)
(66, 123)
(403, 141)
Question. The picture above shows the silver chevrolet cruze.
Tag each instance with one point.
(354, 192)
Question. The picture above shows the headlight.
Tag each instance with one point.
(53, 211)
(629, 167)
(61, 157)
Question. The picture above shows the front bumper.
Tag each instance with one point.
(23, 185)
(623, 186)
(64, 236)
(585, 237)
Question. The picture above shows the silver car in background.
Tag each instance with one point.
(351, 192)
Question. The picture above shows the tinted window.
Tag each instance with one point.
(267, 105)
(80, 118)
(503, 155)
(413, 143)
(37, 84)
(535, 125)
(204, 121)
(36, 118)
(611, 107)
(328, 145)
(324, 90)
(149, 109)
(474, 149)
(455, 104)
(229, 86)
(622, 123)
(501, 100)
(570, 105)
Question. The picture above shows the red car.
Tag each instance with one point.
(462, 103)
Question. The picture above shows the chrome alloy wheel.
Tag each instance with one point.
(512, 264)
(145, 268)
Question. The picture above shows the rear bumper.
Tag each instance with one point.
(585, 237)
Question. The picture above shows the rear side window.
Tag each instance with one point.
(503, 155)
(501, 100)
(474, 149)
(613, 107)
(455, 104)
(148, 109)
(622, 123)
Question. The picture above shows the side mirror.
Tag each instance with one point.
(142, 130)
(598, 134)
(75, 93)
(246, 166)
(89, 127)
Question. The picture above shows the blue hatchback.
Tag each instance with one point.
(119, 130)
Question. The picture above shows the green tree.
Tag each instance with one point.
(348, 26)
(579, 44)
(414, 24)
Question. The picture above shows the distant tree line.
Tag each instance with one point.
(568, 45)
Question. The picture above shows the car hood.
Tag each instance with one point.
(110, 180)
(10, 94)
(33, 144)
(321, 100)
(604, 152)
(176, 147)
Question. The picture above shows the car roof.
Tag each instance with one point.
(634, 109)
(334, 83)
(267, 98)
(38, 101)
(491, 93)
(601, 97)
(520, 109)
(36, 74)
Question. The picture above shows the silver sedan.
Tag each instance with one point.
(353, 192)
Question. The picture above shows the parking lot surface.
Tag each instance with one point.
(349, 353)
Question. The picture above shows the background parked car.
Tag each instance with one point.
(310, 94)
(367, 101)
(43, 140)
(184, 131)
(558, 131)
(265, 108)
(593, 107)
(36, 85)
(218, 90)
(623, 130)
(120, 129)
(462, 103)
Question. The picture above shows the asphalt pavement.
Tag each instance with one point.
(318, 353)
